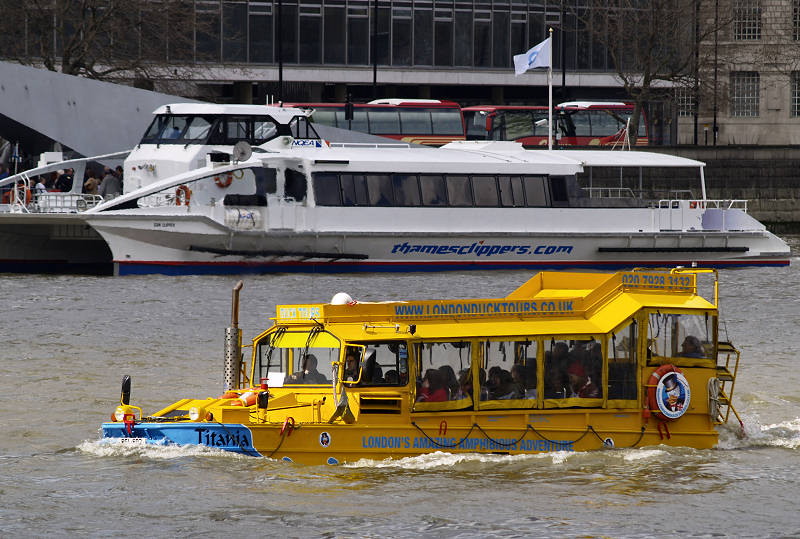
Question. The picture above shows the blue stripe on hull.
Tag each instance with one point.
(202, 268)
(228, 437)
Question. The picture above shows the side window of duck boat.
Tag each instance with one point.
(507, 374)
(444, 375)
(573, 372)
(622, 355)
(296, 357)
(380, 364)
(681, 338)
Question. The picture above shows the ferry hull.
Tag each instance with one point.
(199, 245)
(522, 432)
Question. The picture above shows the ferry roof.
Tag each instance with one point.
(280, 114)
(549, 303)
(627, 158)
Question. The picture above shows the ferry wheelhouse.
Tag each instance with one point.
(566, 362)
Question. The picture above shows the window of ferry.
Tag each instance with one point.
(197, 129)
(511, 192)
(447, 122)
(358, 123)
(406, 189)
(295, 185)
(458, 191)
(680, 336)
(324, 116)
(535, 191)
(433, 190)
(443, 372)
(415, 122)
(263, 130)
(326, 189)
(573, 368)
(236, 129)
(384, 364)
(509, 371)
(379, 189)
(296, 357)
(622, 347)
(485, 189)
(354, 189)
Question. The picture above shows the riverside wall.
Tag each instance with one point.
(767, 176)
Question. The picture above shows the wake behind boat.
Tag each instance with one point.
(305, 205)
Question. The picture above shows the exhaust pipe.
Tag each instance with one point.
(233, 344)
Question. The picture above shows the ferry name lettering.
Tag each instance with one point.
(479, 249)
(212, 438)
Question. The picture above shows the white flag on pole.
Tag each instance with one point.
(537, 56)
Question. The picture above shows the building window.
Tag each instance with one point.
(796, 19)
(795, 96)
(746, 19)
(744, 93)
(684, 99)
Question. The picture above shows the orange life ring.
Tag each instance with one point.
(8, 196)
(224, 181)
(187, 195)
(668, 393)
(248, 398)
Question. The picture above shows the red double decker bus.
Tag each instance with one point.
(421, 121)
(579, 123)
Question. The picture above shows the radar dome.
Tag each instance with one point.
(342, 298)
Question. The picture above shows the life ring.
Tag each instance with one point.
(248, 398)
(668, 393)
(184, 192)
(224, 180)
(8, 196)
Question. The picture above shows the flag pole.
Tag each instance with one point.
(550, 95)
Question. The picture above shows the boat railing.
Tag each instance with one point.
(610, 192)
(64, 202)
(719, 204)
(369, 145)
(679, 214)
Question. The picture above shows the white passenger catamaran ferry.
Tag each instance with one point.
(252, 188)
(298, 203)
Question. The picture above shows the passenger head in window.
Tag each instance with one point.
(580, 384)
(351, 365)
(308, 374)
(391, 377)
(451, 382)
(432, 388)
(691, 347)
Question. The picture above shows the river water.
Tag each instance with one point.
(67, 341)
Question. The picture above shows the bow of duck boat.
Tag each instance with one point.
(567, 362)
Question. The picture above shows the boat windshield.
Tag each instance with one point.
(296, 357)
(210, 129)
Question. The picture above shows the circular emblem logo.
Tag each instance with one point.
(673, 395)
(324, 439)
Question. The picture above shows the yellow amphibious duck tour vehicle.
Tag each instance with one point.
(567, 362)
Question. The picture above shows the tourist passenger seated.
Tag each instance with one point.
(432, 388)
(555, 382)
(524, 380)
(391, 377)
(307, 375)
(580, 384)
(351, 365)
(451, 382)
(691, 347)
